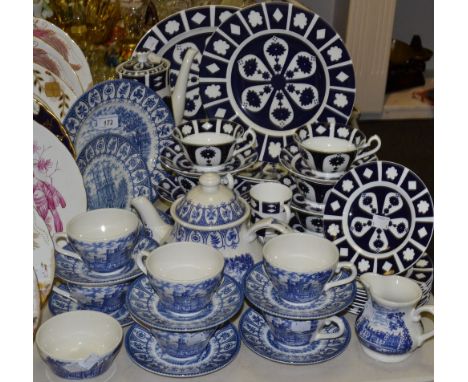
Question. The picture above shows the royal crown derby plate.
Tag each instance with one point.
(113, 172)
(275, 67)
(126, 108)
(259, 290)
(58, 190)
(36, 303)
(170, 38)
(46, 118)
(143, 304)
(52, 91)
(68, 49)
(47, 57)
(59, 304)
(257, 336)
(173, 158)
(43, 256)
(380, 216)
(144, 350)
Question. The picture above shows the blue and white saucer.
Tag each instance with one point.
(259, 291)
(144, 350)
(143, 303)
(59, 304)
(257, 336)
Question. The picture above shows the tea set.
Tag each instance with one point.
(274, 197)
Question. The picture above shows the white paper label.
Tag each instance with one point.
(108, 121)
(300, 326)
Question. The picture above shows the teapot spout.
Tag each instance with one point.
(150, 217)
(178, 94)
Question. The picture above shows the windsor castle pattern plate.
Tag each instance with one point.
(275, 67)
(380, 216)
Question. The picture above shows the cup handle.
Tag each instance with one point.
(57, 238)
(416, 316)
(228, 180)
(328, 336)
(267, 223)
(250, 145)
(140, 260)
(64, 293)
(287, 211)
(374, 138)
(343, 264)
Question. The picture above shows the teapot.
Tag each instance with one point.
(389, 327)
(153, 71)
(212, 214)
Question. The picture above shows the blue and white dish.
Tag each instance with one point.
(126, 108)
(259, 290)
(257, 336)
(144, 305)
(311, 222)
(171, 37)
(59, 304)
(145, 351)
(275, 67)
(173, 158)
(380, 215)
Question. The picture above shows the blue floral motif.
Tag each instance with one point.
(237, 267)
(222, 239)
(210, 215)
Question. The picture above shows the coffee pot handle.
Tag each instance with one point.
(346, 280)
(328, 336)
(416, 316)
(57, 238)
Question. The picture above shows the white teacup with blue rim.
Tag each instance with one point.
(270, 200)
(103, 238)
(301, 266)
(302, 332)
(209, 144)
(185, 275)
(332, 148)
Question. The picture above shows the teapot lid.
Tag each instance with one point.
(143, 63)
(210, 203)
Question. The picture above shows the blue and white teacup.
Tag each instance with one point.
(270, 200)
(183, 344)
(106, 298)
(185, 275)
(300, 266)
(210, 143)
(332, 148)
(103, 238)
(302, 332)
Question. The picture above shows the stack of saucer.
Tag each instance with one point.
(182, 306)
(294, 320)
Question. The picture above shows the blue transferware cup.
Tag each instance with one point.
(103, 238)
(185, 275)
(300, 266)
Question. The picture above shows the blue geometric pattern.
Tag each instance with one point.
(144, 350)
(218, 239)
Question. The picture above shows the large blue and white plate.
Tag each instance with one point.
(143, 304)
(113, 172)
(144, 350)
(257, 336)
(59, 304)
(274, 67)
(380, 215)
(260, 292)
(170, 38)
(125, 108)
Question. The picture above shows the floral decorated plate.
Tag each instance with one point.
(62, 43)
(51, 90)
(274, 67)
(171, 37)
(380, 216)
(36, 303)
(47, 57)
(257, 336)
(144, 350)
(59, 193)
(125, 108)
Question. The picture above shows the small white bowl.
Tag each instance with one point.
(80, 344)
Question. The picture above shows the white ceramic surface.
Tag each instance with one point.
(36, 303)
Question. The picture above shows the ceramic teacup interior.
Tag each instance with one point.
(271, 192)
(208, 139)
(102, 225)
(328, 145)
(74, 336)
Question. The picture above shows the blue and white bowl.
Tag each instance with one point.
(79, 344)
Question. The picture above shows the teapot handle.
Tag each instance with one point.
(416, 316)
(267, 223)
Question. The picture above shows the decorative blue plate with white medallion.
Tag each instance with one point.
(259, 290)
(170, 38)
(275, 67)
(126, 108)
(380, 215)
(59, 304)
(143, 303)
(257, 336)
(144, 350)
